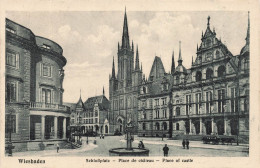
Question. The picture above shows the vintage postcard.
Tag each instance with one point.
(134, 83)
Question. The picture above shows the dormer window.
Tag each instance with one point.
(10, 30)
(46, 46)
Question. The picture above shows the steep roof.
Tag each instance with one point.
(102, 101)
(80, 104)
(157, 69)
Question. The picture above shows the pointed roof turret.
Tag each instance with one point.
(80, 103)
(248, 31)
(113, 69)
(137, 59)
(173, 63)
(125, 36)
(180, 58)
(103, 91)
(245, 49)
(208, 21)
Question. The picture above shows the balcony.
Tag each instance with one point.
(49, 107)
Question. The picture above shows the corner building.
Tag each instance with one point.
(212, 97)
(34, 107)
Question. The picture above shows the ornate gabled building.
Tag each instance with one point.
(124, 87)
(91, 116)
(212, 96)
(154, 114)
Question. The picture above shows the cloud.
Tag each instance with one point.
(68, 35)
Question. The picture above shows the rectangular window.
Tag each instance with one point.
(11, 93)
(164, 101)
(10, 123)
(188, 104)
(164, 113)
(221, 100)
(46, 70)
(46, 95)
(157, 115)
(156, 102)
(12, 59)
(209, 102)
(198, 102)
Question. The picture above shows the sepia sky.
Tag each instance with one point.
(89, 40)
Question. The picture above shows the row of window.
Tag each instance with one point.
(158, 102)
(221, 103)
(84, 121)
(12, 60)
(119, 104)
(157, 126)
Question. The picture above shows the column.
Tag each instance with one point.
(64, 128)
(55, 127)
(201, 131)
(213, 126)
(43, 127)
(226, 126)
(190, 127)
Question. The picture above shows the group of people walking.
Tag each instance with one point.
(102, 136)
(185, 143)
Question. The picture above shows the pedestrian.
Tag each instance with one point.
(103, 136)
(100, 136)
(183, 144)
(165, 150)
(187, 143)
(58, 147)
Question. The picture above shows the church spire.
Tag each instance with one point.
(132, 45)
(137, 59)
(113, 69)
(180, 58)
(192, 61)
(173, 63)
(248, 31)
(125, 36)
(103, 91)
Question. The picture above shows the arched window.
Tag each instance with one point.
(177, 126)
(217, 54)
(144, 126)
(178, 111)
(198, 76)
(209, 73)
(157, 126)
(164, 126)
(221, 71)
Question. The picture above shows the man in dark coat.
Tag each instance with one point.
(165, 150)
(187, 143)
(183, 144)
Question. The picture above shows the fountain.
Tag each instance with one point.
(129, 150)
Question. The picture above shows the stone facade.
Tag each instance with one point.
(34, 92)
(124, 87)
(212, 97)
(91, 116)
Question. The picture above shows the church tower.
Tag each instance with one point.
(125, 58)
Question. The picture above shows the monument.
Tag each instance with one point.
(129, 150)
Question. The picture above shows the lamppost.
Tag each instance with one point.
(10, 128)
